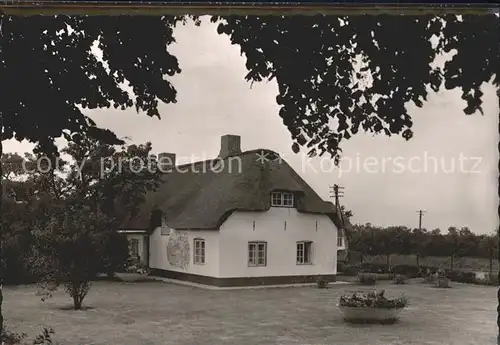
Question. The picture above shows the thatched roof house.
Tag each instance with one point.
(228, 209)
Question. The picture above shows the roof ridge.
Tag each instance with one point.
(191, 199)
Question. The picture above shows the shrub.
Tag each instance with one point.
(351, 270)
(375, 268)
(443, 282)
(407, 270)
(367, 278)
(115, 257)
(44, 338)
(492, 278)
(66, 250)
(462, 277)
(430, 279)
(372, 299)
(11, 338)
(430, 274)
(322, 284)
(442, 279)
(383, 276)
(425, 271)
(489, 279)
(400, 279)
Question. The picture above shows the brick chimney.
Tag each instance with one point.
(230, 145)
(166, 161)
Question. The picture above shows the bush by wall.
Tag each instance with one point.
(463, 277)
(367, 278)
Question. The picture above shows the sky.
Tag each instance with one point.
(448, 169)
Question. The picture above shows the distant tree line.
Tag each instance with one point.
(372, 240)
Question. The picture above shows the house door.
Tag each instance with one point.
(134, 249)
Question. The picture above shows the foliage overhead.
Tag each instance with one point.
(112, 180)
(44, 99)
(315, 59)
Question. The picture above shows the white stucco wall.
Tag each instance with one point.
(158, 251)
(238, 230)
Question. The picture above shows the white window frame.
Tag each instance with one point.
(199, 249)
(282, 199)
(276, 199)
(340, 238)
(134, 247)
(288, 199)
(254, 248)
(340, 241)
(302, 248)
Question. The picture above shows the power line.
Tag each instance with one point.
(336, 192)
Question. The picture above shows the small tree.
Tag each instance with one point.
(385, 242)
(468, 243)
(489, 248)
(347, 213)
(402, 239)
(116, 253)
(453, 244)
(104, 178)
(68, 251)
(420, 239)
(360, 239)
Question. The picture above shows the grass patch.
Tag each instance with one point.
(170, 314)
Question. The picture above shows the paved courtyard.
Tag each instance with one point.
(161, 313)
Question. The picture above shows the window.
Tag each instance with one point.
(199, 251)
(282, 199)
(288, 199)
(276, 199)
(340, 238)
(304, 252)
(134, 247)
(257, 253)
(340, 241)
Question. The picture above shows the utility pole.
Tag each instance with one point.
(336, 192)
(420, 214)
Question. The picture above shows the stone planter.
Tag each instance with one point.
(132, 277)
(370, 315)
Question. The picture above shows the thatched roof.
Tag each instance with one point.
(201, 196)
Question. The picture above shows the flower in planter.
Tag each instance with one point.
(371, 307)
(372, 299)
(137, 268)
